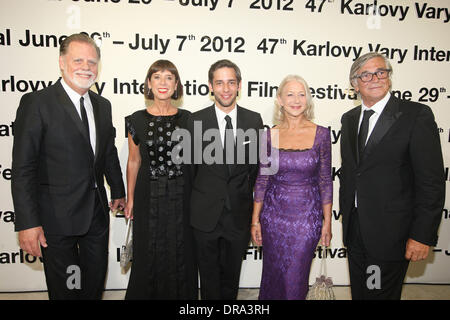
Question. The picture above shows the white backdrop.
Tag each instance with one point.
(267, 39)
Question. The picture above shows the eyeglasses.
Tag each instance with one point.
(368, 76)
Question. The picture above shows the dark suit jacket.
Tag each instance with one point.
(399, 181)
(213, 187)
(54, 170)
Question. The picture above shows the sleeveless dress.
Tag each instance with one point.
(291, 217)
(163, 265)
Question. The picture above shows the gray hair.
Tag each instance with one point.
(361, 61)
(309, 110)
(78, 37)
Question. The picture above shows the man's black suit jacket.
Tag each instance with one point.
(54, 170)
(213, 187)
(399, 181)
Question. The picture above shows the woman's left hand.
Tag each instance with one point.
(326, 236)
(256, 234)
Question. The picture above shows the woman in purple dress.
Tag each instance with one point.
(292, 208)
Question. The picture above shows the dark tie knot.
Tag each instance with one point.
(228, 120)
(368, 113)
(228, 129)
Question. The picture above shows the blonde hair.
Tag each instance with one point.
(309, 110)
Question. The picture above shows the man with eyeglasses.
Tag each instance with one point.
(392, 185)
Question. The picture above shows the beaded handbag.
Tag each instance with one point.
(322, 289)
(126, 254)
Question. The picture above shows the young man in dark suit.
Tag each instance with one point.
(222, 186)
(392, 185)
(63, 149)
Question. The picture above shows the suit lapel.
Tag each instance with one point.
(240, 124)
(353, 123)
(240, 121)
(68, 106)
(387, 118)
(96, 109)
(211, 120)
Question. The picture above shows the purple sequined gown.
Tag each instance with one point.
(291, 217)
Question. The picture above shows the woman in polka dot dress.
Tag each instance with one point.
(163, 265)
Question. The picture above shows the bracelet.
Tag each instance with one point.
(255, 224)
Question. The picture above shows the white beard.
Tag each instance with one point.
(79, 82)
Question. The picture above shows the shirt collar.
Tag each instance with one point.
(73, 95)
(221, 115)
(379, 106)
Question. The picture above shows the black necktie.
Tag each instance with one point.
(363, 130)
(84, 116)
(229, 136)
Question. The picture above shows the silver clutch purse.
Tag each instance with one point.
(126, 253)
(322, 289)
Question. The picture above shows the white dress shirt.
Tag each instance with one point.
(222, 122)
(75, 98)
(378, 108)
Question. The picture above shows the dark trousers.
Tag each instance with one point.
(219, 255)
(75, 266)
(370, 278)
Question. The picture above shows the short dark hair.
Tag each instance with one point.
(161, 65)
(77, 37)
(223, 64)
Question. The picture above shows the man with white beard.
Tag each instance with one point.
(63, 149)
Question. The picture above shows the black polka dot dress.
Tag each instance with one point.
(163, 264)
